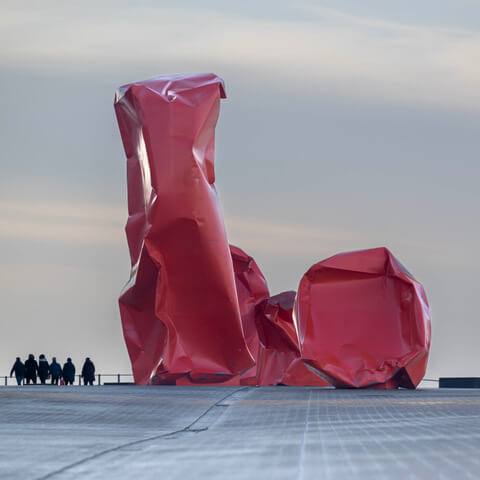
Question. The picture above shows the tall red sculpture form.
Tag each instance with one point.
(180, 312)
(198, 311)
(363, 321)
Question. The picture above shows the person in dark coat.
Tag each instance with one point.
(88, 372)
(19, 369)
(69, 372)
(55, 371)
(43, 369)
(31, 369)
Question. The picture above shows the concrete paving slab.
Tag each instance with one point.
(44, 428)
(238, 433)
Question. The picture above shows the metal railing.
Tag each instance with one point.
(116, 378)
(100, 379)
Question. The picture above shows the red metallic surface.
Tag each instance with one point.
(363, 321)
(180, 312)
(279, 354)
(252, 289)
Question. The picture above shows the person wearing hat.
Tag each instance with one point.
(31, 369)
(43, 369)
(55, 371)
(88, 372)
(69, 372)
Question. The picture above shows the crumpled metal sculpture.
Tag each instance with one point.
(180, 311)
(196, 311)
(268, 328)
(252, 289)
(278, 359)
(363, 321)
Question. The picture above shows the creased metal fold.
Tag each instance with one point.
(180, 311)
(197, 310)
(363, 321)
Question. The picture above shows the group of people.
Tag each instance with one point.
(65, 375)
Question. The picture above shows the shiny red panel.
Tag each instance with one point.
(252, 289)
(279, 354)
(180, 312)
(363, 320)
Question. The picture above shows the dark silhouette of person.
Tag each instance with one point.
(31, 369)
(55, 371)
(88, 372)
(43, 369)
(19, 369)
(69, 372)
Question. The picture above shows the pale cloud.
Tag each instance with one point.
(315, 242)
(333, 52)
(91, 212)
(58, 232)
(44, 277)
(274, 238)
(52, 222)
(103, 225)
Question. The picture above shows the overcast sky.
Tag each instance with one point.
(347, 125)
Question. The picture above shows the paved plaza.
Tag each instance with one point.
(128, 432)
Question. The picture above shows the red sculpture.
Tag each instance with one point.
(268, 328)
(179, 310)
(363, 321)
(252, 289)
(198, 311)
(278, 359)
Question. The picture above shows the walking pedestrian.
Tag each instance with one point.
(31, 369)
(55, 371)
(69, 372)
(88, 372)
(43, 369)
(19, 369)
